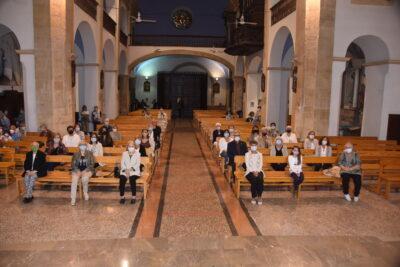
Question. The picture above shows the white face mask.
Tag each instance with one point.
(94, 139)
(56, 140)
(348, 150)
(131, 149)
(12, 131)
(82, 148)
(218, 128)
(226, 135)
(312, 136)
(324, 142)
(253, 148)
(231, 130)
(237, 138)
(77, 129)
(272, 127)
(138, 142)
(278, 142)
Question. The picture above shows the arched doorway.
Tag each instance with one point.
(252, 96)
(110, 90)
(86, 74)
(279, 79)
(363, 87)
(11, 78)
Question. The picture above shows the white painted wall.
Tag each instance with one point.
(353, 21)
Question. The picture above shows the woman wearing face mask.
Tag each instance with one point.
(272, 131)
(14, 133)
(295, 168)
(82, 168)
(350, 168)
(140, 147)
(323, 150)
(55, 147)
(223, 146)
(78, 131)
(6, 137)
(255, 132)
(278, 150)
(105, 138)
(96, 148)
(115, 135)
(145, 138)
(289, 137)
(264, 141)
(310, 142)
(130, 168)
(254, 173)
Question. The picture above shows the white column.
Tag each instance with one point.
(338, 68)
(110, 94)
(29, 85)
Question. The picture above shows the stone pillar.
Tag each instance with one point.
(338, 67)
(237, 102)
(100, 96)
(123, 94)
(53, 25)
(28, 74)
(264, 96)
(117, 56)
(314, 53)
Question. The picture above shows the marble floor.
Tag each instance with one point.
(191, 217)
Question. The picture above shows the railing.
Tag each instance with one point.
(108, 23)
(89, 6)
(178, 40)
(123, 38)
(281, 10)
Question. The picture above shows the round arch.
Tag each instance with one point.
(189, 64)
(255, 65)
(136, 62)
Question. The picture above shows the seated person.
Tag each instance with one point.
(323, 150)
(250, 117)
(140, 147)
(155, 132)
(106, 126)
(272, 131)
(145, 139)
(236, 148)
(264, 141)
(350, 168)
(55, 147)
(79, 132)
(71, 139)
(130, 169)
(228, 115)
(231, 130)
(218, 132)
(115, 135)
(44, 131)
(255, 132)
(289, 137)
(295, 168)
(278, 150)
(254, 173)
(223, 147)
(34, 167)
(95, 146)
(6, 137)
(105, 138)
(82, 168)
(161, 114)
(257, 116)
(14, 133)
(310, 142)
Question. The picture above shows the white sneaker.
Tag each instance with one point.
(347, 197)
(73, 203)
(253, 201)
(259, 202)
(86, 196)
(356, 199)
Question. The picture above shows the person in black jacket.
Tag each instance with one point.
(236, 148)
(34, 167)
(156, 133)
(217, 132)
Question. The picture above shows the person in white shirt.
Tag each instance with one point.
(71, 139)
(254, 173)
(223, 147)
(130, 168)
(95, 146)
(310, 142)
(288, 137)
(295, 168)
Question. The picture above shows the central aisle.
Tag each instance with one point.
(191, 206)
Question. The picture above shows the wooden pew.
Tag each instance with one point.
(389, 175)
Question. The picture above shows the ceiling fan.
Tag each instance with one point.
(139, 19)
(241, 21)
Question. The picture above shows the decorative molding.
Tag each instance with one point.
(279, 68)
(344, 59)
(105, 70)
(25, 51)
(382, 62)
(87, 64)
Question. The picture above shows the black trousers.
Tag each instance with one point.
(297, 179)
(278, 166)
(257, 184)
(319, 167)
(346, 181)
(122, 183)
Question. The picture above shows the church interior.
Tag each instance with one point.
(199, 133)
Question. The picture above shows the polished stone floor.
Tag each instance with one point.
(191, 217)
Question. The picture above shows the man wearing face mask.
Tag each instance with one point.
(254, 173)
(71, 139)
(350, 168)
(34, 167)
(130, 168)
(289, 137)
(156, 133)
(310, 142)
(278, 150)
(106, 126)
(82, 168)
(236, 148)
(223, 146)
(218, 132)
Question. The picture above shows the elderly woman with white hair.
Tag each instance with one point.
(82, 169)
(350, 168)
(218, 132)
